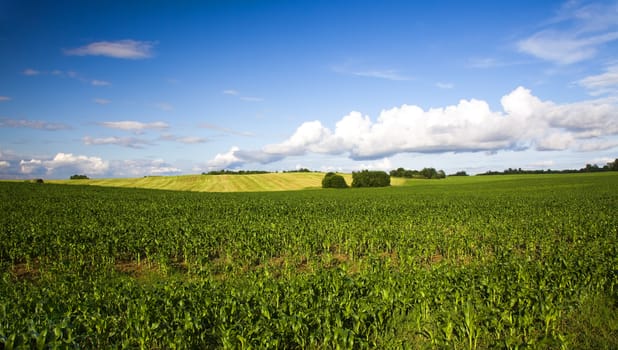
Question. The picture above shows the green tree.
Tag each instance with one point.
(368, 178)
(332, 180)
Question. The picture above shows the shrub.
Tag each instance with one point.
(79, 177)
(368, 178)
(332, 180)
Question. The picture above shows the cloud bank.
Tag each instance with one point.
(66, 163)
(63, 165)
(525, 122)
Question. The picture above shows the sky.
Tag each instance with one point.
(139, 88)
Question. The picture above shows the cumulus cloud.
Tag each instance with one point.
(576, 34)
(124, 49)
(29, 166)
(135, 126)
(525, 122)
(130, 142)
(64, 163)
(226, 160)
(32, 124)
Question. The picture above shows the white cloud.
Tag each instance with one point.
(445, 85)
(101, 101)
(100, 83)
(65, 163)
(125, 49)
(141, 167)
(5, 98)
(564, 48)
(67, 74)
(542, 164)
(191, 139)
(226, 160)
(597, 145)
(131, 142)
(32, 124)
(383, 164)
(4, 164)
(603, 83)
(184, 139)
(352, 68)
(388, 74)
(134, 126)
(233, 92)
(29, 166)
(526, 122)
(576, 34)
(31, 72)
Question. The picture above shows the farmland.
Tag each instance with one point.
(219, 183)
(462, 263)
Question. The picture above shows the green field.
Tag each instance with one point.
(219, 183)
(528, 261)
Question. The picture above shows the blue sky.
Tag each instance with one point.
(124, 89)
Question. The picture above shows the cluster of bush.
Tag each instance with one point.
(332, 180)
(426, 173)
(79, 177)
(367, 178)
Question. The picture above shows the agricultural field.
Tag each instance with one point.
(528, 261)
(219, 183)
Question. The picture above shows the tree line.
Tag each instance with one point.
(589, 168)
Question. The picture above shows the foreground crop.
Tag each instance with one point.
(521, 261)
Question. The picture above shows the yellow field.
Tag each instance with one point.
(219, 183)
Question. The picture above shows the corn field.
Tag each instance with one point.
(471, 263)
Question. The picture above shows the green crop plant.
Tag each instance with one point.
(470, 263)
